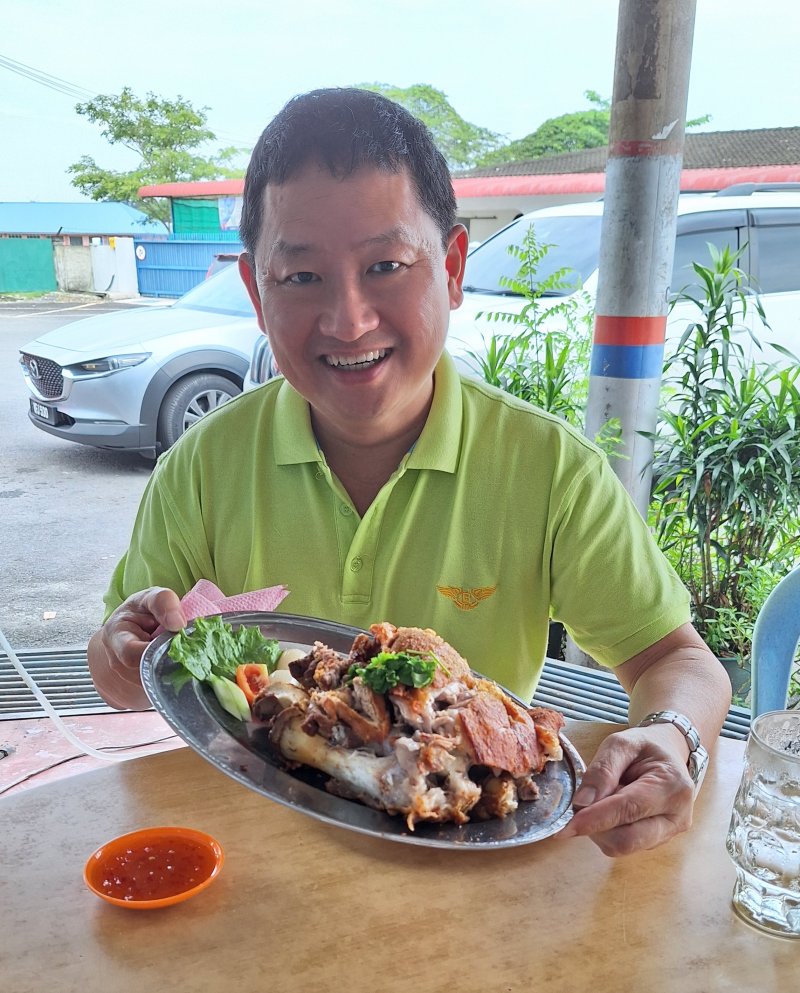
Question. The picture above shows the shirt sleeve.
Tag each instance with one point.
(167, 547)
(611, 585)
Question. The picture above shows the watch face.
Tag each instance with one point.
(697, 765)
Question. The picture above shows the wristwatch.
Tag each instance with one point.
(698, 756)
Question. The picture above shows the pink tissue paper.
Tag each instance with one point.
(205, 598)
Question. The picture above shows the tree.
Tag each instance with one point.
(566, 133)
(461, 143)
(163, 133)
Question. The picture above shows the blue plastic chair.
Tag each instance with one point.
(775, 637)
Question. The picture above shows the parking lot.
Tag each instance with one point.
(65, 510)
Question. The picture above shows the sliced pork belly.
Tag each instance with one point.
(456, 748)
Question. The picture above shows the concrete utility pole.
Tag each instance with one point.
(645, 153)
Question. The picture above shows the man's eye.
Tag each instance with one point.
(301, 277)
(385, 267)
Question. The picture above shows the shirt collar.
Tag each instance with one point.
(439, 444)
(292, 434)
(436, 448)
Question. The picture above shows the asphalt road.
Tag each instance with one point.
(66, 510)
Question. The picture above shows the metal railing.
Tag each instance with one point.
(63, 676)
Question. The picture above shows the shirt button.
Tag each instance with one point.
(319, 474)
(356, 563)
(345, 510)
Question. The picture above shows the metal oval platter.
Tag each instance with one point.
(237, 748)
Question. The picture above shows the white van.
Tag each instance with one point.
(765, 224)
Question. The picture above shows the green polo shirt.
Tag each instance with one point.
(498, 518)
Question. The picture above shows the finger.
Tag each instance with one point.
(633, 804)
(127, 645)
(165, 606)
(638, 837)
(615, 811)
(124, 666)
(605, 771)
(119, 684)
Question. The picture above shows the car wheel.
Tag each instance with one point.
(189, 400)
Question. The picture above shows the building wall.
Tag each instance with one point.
(73, 265)
(483, 216)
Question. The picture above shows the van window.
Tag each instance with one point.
(574, 241)
(693, 247)
(778, 258)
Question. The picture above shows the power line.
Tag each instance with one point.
(46, 79)
(71, 89)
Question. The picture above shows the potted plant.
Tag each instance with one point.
(726, 464)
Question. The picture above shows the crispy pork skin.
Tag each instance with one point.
(456, 749)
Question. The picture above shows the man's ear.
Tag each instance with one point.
(247, 270)
(455, 259)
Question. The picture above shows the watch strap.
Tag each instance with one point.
(698, 756)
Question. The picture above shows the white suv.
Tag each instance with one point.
(764, 223)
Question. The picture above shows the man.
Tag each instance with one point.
(377, 485)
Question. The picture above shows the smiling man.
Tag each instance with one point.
(377, 484)
(353, 281)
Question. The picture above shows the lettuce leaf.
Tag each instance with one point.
(215, 649)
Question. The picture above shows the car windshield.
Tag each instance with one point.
(223, 293)
(574, 244)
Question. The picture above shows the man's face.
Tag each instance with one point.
(354, 289)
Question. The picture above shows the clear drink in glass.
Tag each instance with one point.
(764, 835)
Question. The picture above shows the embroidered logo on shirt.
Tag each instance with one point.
(466, 599)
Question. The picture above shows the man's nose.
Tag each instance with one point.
(348, 313)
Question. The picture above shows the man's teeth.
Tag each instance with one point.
(366, 358)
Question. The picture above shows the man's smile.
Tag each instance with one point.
(363, 360)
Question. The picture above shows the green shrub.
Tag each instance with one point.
(726, 465)
(544, 357)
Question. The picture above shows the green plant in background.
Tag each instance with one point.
(794, 687)
(544, 358)
(726, 465)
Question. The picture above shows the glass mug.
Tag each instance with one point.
(764, 834)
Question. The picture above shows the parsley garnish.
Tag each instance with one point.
(388, 669)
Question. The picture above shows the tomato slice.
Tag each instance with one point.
(251, 678)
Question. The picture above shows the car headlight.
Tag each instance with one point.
(104, 366)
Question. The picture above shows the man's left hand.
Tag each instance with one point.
(636, 793)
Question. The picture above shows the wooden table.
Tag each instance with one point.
(302, 906)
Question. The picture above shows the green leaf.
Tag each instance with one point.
(214, 649)
(389, 669)
(254, 647)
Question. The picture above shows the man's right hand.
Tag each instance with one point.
(116, 649)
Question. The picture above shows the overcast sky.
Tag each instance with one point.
(507, 65)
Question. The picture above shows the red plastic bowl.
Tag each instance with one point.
(154, 867)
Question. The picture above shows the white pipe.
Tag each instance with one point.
(50, 711)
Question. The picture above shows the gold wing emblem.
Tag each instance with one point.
(466, 599)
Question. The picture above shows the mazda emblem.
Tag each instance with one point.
(35, 371)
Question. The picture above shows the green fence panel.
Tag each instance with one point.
(191, 215)
(26, 265)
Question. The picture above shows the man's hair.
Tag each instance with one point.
(345, 130)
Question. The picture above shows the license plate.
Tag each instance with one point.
(44, 412)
